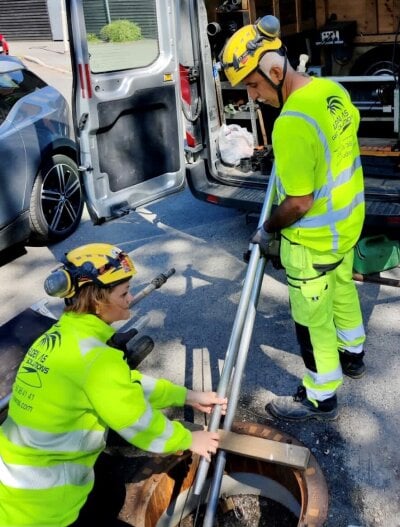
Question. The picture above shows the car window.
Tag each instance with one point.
(121, 35)
(13, 86)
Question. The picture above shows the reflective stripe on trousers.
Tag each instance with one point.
(325, 307)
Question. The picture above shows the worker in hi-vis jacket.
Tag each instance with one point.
(71, 387)
(319, 214)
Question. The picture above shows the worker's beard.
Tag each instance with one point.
(273, 104)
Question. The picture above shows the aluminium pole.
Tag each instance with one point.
(215, 486)
(249, 284)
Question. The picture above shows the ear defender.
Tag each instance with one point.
(66, 281)
(59, 284)
(267, 28)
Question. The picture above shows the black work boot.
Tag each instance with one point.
(352, 364)
(299, 408)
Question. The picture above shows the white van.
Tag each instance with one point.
(148, 112)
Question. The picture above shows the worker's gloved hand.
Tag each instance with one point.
(269, 246)
(263, 238)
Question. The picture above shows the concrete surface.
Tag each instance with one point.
(47, 53)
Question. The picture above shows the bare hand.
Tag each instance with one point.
(204, 443)
(205, 401)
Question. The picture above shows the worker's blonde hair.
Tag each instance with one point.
(88, 299)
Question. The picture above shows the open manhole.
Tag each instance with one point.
(162, 495)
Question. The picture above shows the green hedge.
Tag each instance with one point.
(121, 31)
(92, 37)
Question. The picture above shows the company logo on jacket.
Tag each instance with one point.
(340, 116)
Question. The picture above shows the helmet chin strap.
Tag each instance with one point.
(277, 87)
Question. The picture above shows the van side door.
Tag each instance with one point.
(125, 100)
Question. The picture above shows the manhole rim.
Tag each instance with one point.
(311, 483)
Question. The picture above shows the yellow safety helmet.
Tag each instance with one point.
(243, 51)
(95, 263)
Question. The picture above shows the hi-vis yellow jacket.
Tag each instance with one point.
(316, 152)
(70, 388)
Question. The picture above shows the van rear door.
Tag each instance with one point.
(125, 100)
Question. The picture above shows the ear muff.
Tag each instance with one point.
(267, 28)
(66, 281)
(59, 283)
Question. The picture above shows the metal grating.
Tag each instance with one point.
(25, 20)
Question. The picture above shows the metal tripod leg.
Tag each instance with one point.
(236, 356)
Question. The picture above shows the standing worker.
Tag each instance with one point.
(70, 388)
(320, 212)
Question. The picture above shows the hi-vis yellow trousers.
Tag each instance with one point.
(326, 310)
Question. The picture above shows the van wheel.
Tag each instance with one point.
(56, 203)
(377, 61)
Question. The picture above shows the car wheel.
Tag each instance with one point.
(56, 201)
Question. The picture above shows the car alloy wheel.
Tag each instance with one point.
(56, 200)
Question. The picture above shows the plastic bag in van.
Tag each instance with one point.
(234, 143)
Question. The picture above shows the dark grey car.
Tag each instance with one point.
(41, 195)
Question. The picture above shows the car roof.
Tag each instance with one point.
(8, 63)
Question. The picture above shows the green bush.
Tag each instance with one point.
(92, 37)
(121, 31)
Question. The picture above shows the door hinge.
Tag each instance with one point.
(82, 121)
(81, 168)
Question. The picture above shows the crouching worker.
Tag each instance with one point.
(71, 388)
